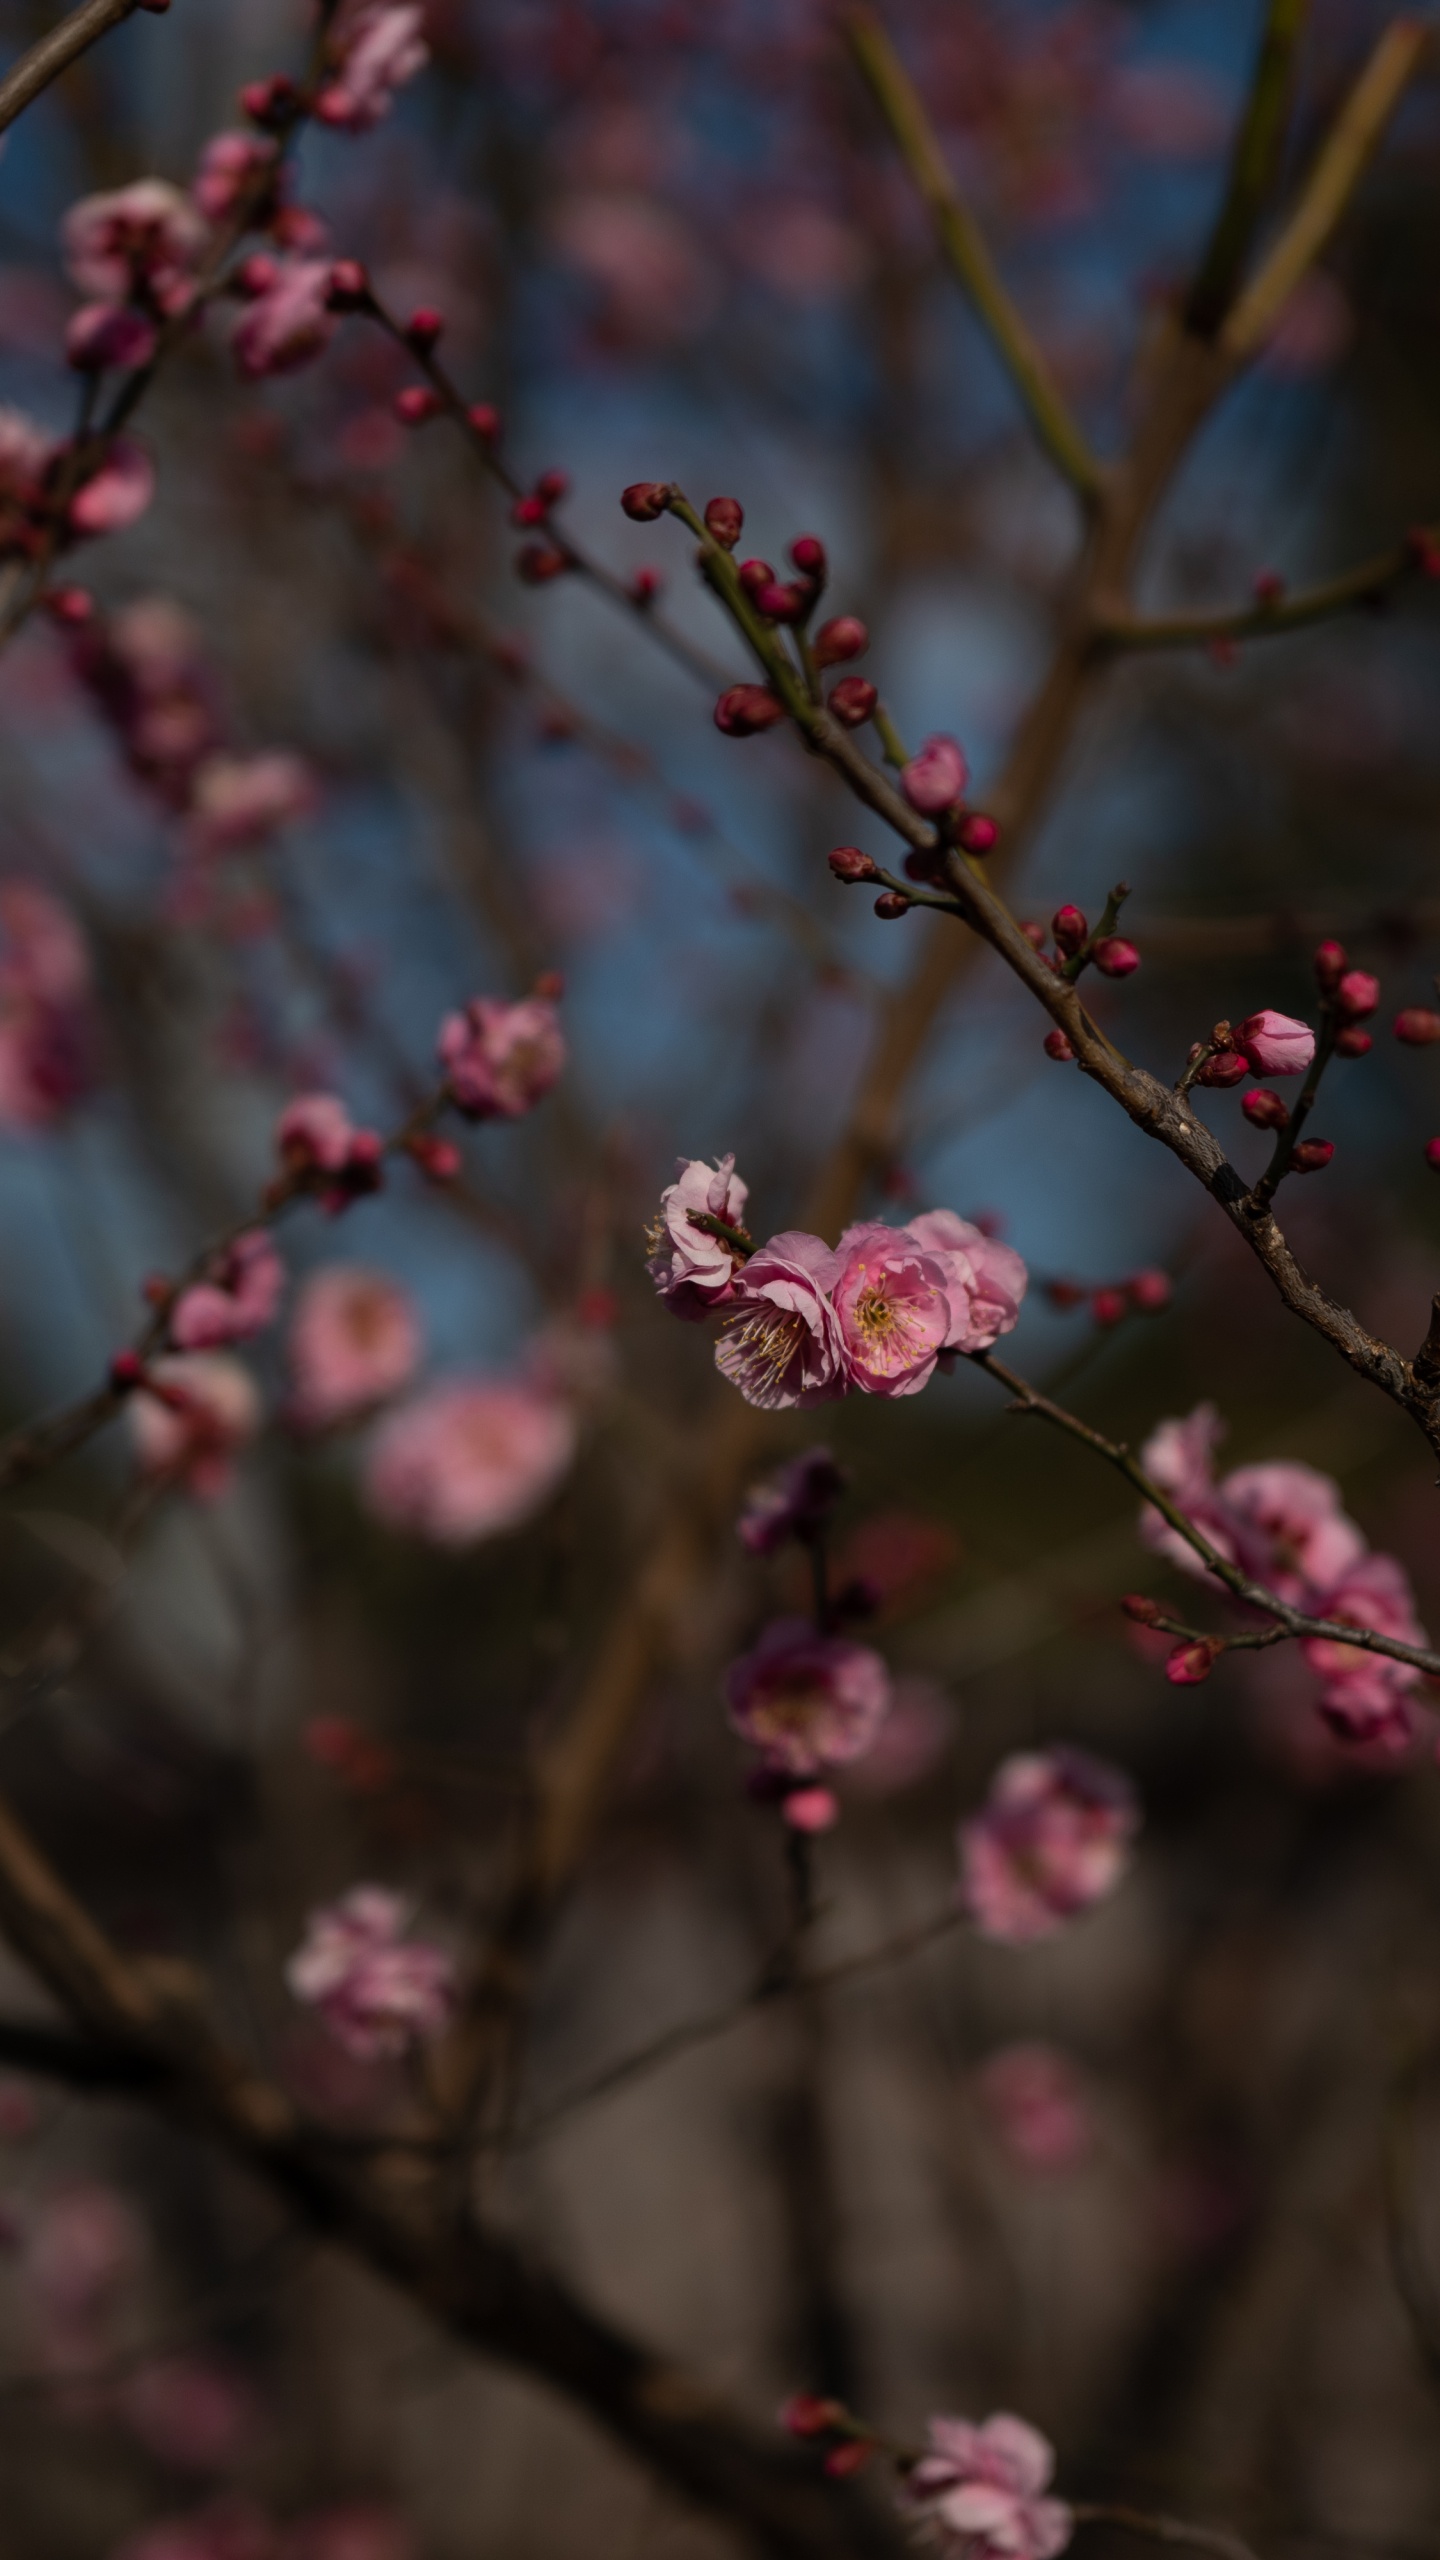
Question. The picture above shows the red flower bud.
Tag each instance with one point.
(1143, 1610)
(979, 834)
(552, 486)
(853, 700)
(1108, 1306)
(1034, 933)
(439, 1159)
(1329, 965)
(424, 329)
(1150, 1292)
(1069, 928)
(1357, 994)
(270, 103)
(417, 404)
(1352, 1042)
(1432, 1154)
(1264, 1109)
(644, 500)
(804, 2415)
(808, 555)
(724, 521)
(1417, 1025)
(1114, 957)
(1226, 1069)
(844, 2460)
(849, 863)
(1189, 1664)
(349, 286)
(844, 636)
(1057, 1046)
(70, 605)
(1313, 1154)
(529, 510)
(126, 1371)
(781, 603)
(645, 585)
(747, 708)
(1268, 588)
(538, 562)
(484, 421)
(255, 276)
(755, 574)
(1064, 1294)
(890, 904)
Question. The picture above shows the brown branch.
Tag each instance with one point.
(54, 53)
(1258, 145)
(1355, 590)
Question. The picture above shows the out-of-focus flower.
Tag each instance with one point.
(354, 1340)
(26, 453)
(693, 1270)
(193, 2411)
(1364, 1697)
(237, 1300)
(933, 780)
(793, 1504)
(374, 47)
(978, 2491)
(238, 800)
(1052, 1837)
(191, 1416)
(109, 333)
(116, 494)
(985, 1280)
(1034, 2101)
(1282, 1523)
(147, 671)
(501, 1059)
(651, 267)
(378, 1992)
(230, 164)
(287, 324)
(468, 1459)
(317, 1141)
(1274, 1044)
(808, 1702)
(47, 1032)
(912, 1741)
(780, 1339)
(141, 241)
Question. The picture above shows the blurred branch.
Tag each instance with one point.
(1365, 585)
(911, 131)
(52, 2053)
(54, 53)
(1258, 145)
(1340, 165)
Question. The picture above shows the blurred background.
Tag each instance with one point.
(1186, 2232)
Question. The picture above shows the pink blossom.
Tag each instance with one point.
(1032, 2097)
(793, 1504)
(354, 1340)
(147, 672)
(378, 1994)
(192, 2411)
(229, 166)
(1364, 1697)
(144, 239)
(501, 1059)
(978, 2491)
(1281, 1523)
(934, 780)
(375, 47)
(238, 800)
(314, 1133)
(468, 1459)
(1274, 1044)
(780, 1338)
(26, 454)
(808, 1702)
(287, 324)
(109, 333)
(893, 1304)
(191, 1416)
(913, 1740)
(117, 494)
(238, 1299)
(694, 1271)
(1052, 1837)
(47, 1032)
(985, 1280)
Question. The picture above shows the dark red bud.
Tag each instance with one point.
(1150, 1292)
(645, 585)
(349, 286)
(724, 521)
(782, 603)
(1034, 933)
(439, 1159)
(853, 701)
(1108, 1306)
(1417, 1025)
(1329, 965)
(1064, 1294)
(1057, 1046)
(255, 276)
(1353, 1042)
(70, 605)
(755, 574)
(425, 329)
(849, 863)
(644, 500)
(844, 636)
(552, 486)
(808, 554)
(126, 1371)
(1313, 1154)
(805, 2415)
(529, 510)
(1145, 1612)
(1114, 957)
(538, 562)
(1268, 589)
(890, 904)
(484, 421)
(1264, 1109)
(1069, 928)
(271, 103)
(844, 2460)
(1189, 1664)
(925, 862)
(417, 404)
(1226, 1069)
(747, 708)
(978, 834)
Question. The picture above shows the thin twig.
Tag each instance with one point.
(55, 52)
(1256, 155)
(1355, 590)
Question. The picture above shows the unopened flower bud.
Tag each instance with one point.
(1108, 1306)
(126, 1371)
(1268, 589)
(805, 2415)
(781, 603)
(890, 904)
(1034, 933)
(1144, 1611)
(270, 103)
(925, 862)
(1189, 1664)
(70, 605)
(844, 2460)
(1114, 957)
(1150, 1292)
(1357, 994)
(810, 1809)
(1417, 1025)
(853, 701)
(1329, 964)
(1264, 1109)
(417, 404)
(1313, 1154)
(256, 275)
(979, 834)
(439, 1159)
(529, 510)
(538, 562)
(755, 574)
(849, 863)
(844, 636)
(645, 585)
(1057, 1046)
(724, 521)
(1226, 1069)
(808, 555)
(1064, 1294)
(1069, 928)
(644, 500)
(1353, 1042)
(746, 708)
(552, 486)
(424, 329)
(349, 286)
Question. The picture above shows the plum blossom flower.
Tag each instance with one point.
(317, 1141)
(780, 1340)
(109, 333)
(377, 1992)
(1282, 1523)
(1052, 1837)
(979, 2491)
(190, 1417)
(894, 1309)
(1033, 2099)
(354, 1340)
(375, 47)
(795, 1503)
(229, 164)
(117, 493)
(26, 453)
(47, 1036)
(287, 324)
(501, 1059)
(238, 800)
(694, 1271)
(469, 1458)
(142, 241)
(985, 1280)
(1274, 1044)
(933, 780)
(146, 669)
(808, 1702)
(237, 1300)
(1364, 1697)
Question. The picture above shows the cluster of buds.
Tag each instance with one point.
(1145, 1293)
(1192, 1658)
(851, 2446)
(538, 562)
(1350, 996)
(1265, 1044)
(1077, 948)
(320, 1151)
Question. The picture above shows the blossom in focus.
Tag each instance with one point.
(808, 1702)
(1032, 2098)
(47, 1033)
(1052, 1837)
(501, 1059)
(1364, 1697)
(1274, 1044)
(287, 324)
(694, 1271)
(190, 1417)
(933, 780)
(780, 1340)
(469, 1458)
(191, 2410)
(354, 1340)
(894, 1311)
(229, 164)
(141, 241)
(794, 1503)
(985, 1280)
(378, 1992)
(238, 800)
(979, 2491)
(237, 1299)
(375, 46)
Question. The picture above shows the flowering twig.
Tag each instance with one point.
(1283, 1154)
(56, 51)
(1357, 589)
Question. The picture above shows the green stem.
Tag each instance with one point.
(1257, 151)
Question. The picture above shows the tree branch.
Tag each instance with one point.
(54, 53)
(1256, 155)
(1365, 585)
